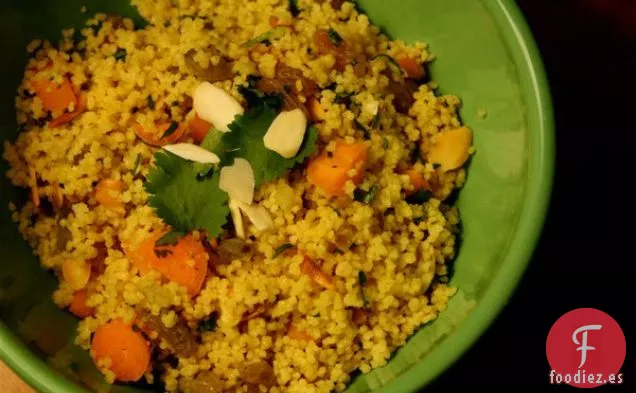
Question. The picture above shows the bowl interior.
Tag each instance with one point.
(484, 55)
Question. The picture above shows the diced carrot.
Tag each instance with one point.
(316, 111)
(273, 21)
(69, 116)
(126, 351)
(299, 335)
(78, 305)
(199, 128)
(54, 97)
(309, 268)
(417, 181)
(156, 138)
(108, 194)
(413, 69)
(331, 171)
(185, 263)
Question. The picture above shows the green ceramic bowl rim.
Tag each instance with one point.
(516, 34)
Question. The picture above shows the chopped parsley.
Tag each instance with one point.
(363, 196)
(395, 67)
(254, 96)
(208, 325)
(419, 197)
(385, 144)
(334, 37)
(184, 201)
(135, 169)
(266, 38)
(343, 98)
(174, 126)
(362, 280)
(280, 250)
(375, 122)
(150, 102)
(293, 8)
(120, 54)
(361, 127)
(436, 165)
(169, 239)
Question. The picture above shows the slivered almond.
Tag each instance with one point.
(216, 106)
(193, 152)
(237, 218)
(286, 133)
(258, 216)
(238, 181)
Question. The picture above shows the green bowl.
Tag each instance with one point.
(485, 55)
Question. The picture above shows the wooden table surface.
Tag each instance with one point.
(11, 383)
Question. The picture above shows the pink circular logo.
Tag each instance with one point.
(586, 348)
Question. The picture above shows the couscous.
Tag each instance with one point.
(239, 196)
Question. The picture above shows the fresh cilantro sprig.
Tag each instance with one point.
(184, 200)
(246, 141)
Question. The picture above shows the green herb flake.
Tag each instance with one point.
(150, 102)
(360, 127)
(362, 280)
(363, 196)
(208, 325)
(169, 239)
(436, 165)
(375, 122)
(343, 98)
(316, 315)
(386, 144)
(135, 169)
(203, 170)
(174, 126)
(266, 38)
(120, 54)
(421, 196)
(395, 67)
(280, 250)
(293, 8)
(334, 37)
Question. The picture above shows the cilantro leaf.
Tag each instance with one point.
(169, 239)
(246, 141)
(182, 199)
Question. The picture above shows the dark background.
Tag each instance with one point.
(586, 255)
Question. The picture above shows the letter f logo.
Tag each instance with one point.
(583, 344)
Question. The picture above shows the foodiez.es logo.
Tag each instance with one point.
(586, 348)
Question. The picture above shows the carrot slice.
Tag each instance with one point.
(54, 97)
(69, 116)
(412, 67)
(299, 335)
(125, 349)
(78, 305)
(199, 128)
(309, 268)
(185, 262)
(156, 137)
(417, 181)
(331, 171)
(108, 194)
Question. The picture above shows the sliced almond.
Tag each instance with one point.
(193, 152)
(286, 133)
(238, 181)
(237, 218)
(258, 216)
(216, 106)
